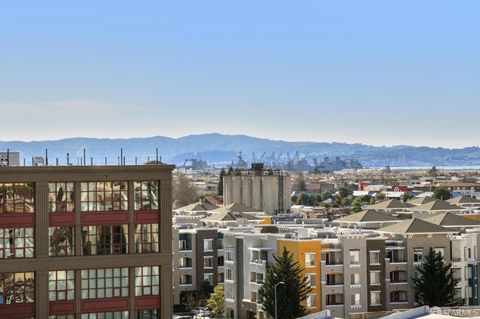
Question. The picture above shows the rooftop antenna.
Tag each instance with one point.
(121, 156)
(157, 154)
(84, 157)
(68, 159)
(46, 156)
(8, 157)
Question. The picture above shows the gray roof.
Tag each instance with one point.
(463, 200)
(450, 219)
(421, 200)
(235, 207)
(230, 216)
(436, 205)
(390, 204)
(197, 207)
(369, 215)
(414, 226)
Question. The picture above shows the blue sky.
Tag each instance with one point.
(374, 72)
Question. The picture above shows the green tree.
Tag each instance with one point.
(290, 295)
(357, 205)
(442, 193)
(216, 302)
(346, 202)
(435, 285)
(204, 292)
(344, 192)
(406, 196)
(220, 181)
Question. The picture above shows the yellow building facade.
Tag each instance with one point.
(308, 254)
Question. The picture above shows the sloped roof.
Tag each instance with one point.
(437, 204)
(237, 208)
(369, 215)
(414, 226)
(196, 207)
(421, 200)
(463, 200)
(390, 204)
(450, 219)
(230, 216)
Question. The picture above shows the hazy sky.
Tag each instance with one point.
(375, 72)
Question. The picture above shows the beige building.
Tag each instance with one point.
(265, 190)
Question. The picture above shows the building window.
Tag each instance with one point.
(221, 277)
(62, 317)
(309, 259)
(17, 288)
(16, 198)
(104, 283)
(148, 314)
(61, 197)
(207, 262)
(146, 238)
(375, 278)
(208, 245)
(417, 255)
(61, 241)
(185, 242)
(146, 195)
(185, 262)
(398, 276)
(355, 279)
(334, 299)
(375, 298)
(398, 296)
(61, 285)
(311, 280)
(208, 278)
(220, 261)
(104, 196)
(106, 315)
(228, 274)
(311, 301)
(354, 256)
(186, 279)
(16, 243)
(147, 281)
(375, 257)
(105, 240)
(355, 299)
(229, 253)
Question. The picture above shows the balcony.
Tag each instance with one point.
(334, 280)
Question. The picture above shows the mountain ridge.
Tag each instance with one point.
(223, 148)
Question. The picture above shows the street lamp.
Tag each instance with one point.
(275, 289)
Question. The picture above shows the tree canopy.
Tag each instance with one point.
(216, 302)
(435, 285)
(442, 193)
(291, 295)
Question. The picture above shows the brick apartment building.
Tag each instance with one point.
(85, 242)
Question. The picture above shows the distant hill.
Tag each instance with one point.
(219, 148)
